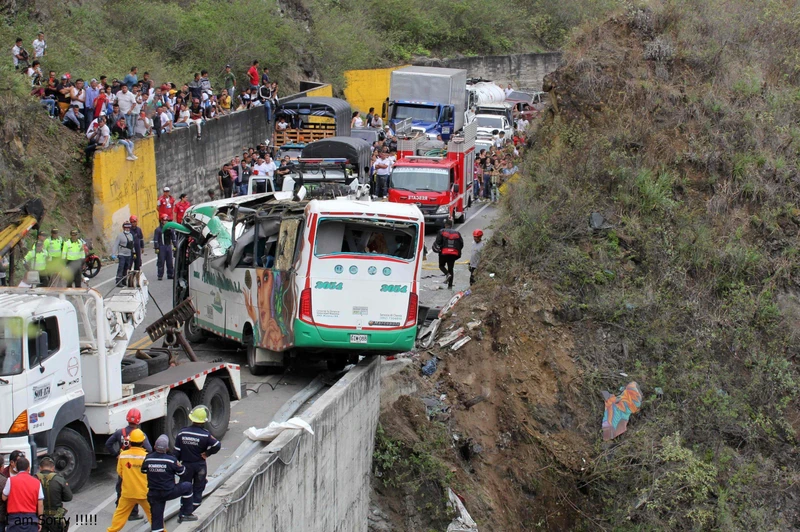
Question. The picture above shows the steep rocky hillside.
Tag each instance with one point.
(675, 123)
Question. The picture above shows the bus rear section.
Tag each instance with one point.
(360, 290)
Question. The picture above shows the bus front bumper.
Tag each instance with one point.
(318, 336)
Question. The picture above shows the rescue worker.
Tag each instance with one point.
(161, 469)
(193, 446)
(120, 441)
(24, 499)
(164, 241)
(53, 247)
(134, 482)
(475, 256)
(448, 245)
(56, 493)
(138, 242)
(74, 254)
(166, 204)
(36, 260)
(123, 249)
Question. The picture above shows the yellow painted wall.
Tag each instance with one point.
(368, 88)
(122, 188)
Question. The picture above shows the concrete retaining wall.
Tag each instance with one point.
(302, 482)
(521, 70)
(188, 165)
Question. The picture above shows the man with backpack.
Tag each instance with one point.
(120, 441)
(448, 245)
(56, 493)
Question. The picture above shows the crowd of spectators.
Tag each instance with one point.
(120, 110)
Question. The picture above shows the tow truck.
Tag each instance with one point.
(66, 383)
(439, 182)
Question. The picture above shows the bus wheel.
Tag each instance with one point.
(252, 363)
(193, 333)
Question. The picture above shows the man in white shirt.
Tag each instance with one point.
(508, 90)
(144, 126)
(383, 167)
(522, 124)
(39, 46)
(270, 166)
(99, 135)
(18, 55)
(127, 105)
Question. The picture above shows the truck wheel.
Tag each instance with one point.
(178, 408)
(73, 458)
(133, 370)
(215, 396)
(158, 362)
(193, 333)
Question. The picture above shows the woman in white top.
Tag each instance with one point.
(183, 117)
(357, 120)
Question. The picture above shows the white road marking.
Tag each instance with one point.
(96, 509)
(113, 279)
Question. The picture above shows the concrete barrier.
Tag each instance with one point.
(122, 188)
(302, 482)
(188, 165)
(521, 70)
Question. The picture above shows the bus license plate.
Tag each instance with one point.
(358, 338)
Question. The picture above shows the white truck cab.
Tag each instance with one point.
(62, 390)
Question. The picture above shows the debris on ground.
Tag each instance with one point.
(452, 337)
(619, 409)
(474, 401)
(473, 325)
(450, 304)
(598, 223)
(428, 334)
(459, 344)
(462, 522)
(430, 367)
(271, 431)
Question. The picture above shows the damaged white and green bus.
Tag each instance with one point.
(318, 279)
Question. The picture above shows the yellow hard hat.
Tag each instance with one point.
(137, 436)
(199, 414)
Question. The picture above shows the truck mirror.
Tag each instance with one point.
(455, 188)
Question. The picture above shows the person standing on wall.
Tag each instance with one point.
(448, 245)
(138, 242)
(56, 493)
(161, 469)
(24, 499)
(134, 482)
(119, 442)
(74, 254)
(193, 445)
(164, 241)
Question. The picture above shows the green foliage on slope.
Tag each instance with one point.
(678, 123)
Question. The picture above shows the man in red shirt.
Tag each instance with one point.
(166, 204)
(181, 207)
(252, 73)
(25, 499)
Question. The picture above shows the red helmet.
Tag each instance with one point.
(134, 416)
(477, 233)
(134, 219)
(165, 217)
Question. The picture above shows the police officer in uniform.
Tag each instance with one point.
(193, 446)
(120, 441)
(56, 493)
(73, 253)
(52, 247)
(36, 260)
(161, 469)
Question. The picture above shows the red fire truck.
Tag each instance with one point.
(439, 182)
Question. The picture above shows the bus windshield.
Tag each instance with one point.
(421, 114)
(360, 236)
(432, 179)
(10, 346)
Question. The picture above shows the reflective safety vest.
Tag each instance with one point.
(53, 247)
(73, 250)
(37, 259)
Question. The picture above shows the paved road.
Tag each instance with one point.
(262, 402)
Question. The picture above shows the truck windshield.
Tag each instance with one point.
(493, 122)
(415, 113)
(359, 236)
(433, 179)
(10, 346)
